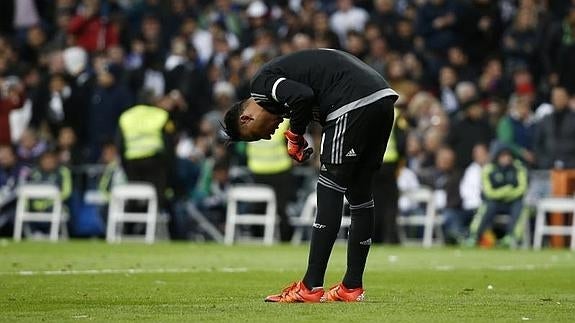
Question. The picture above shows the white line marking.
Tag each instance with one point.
(120, 271)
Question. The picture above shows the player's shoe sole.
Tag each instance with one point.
(298, 293)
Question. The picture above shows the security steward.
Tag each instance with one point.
(270, 164)
(146, 142)
(385, 190)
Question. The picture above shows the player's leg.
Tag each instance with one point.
(324, 233)
(361, 207)
(368, 138)
(330, 190)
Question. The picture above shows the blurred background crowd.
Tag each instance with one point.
(477, 79)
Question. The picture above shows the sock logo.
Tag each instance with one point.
(365, 242)
(318, 226)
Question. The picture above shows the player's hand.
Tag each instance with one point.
(297, 146)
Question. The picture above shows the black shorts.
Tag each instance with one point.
(359, 136)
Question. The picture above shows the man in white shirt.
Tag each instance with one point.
(346, 18)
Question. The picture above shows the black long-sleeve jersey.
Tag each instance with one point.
(316, 84)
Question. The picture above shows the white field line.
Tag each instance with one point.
(120, 271)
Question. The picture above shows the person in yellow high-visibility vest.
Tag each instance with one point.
(270, 164)
(146, 144)
(385, 190)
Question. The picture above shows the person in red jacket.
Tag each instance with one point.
(91, 29)
(11, 97)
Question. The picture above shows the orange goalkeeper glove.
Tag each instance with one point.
(297, 147)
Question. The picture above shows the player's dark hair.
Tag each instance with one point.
(232, 120)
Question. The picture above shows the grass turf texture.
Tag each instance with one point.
(204, 282)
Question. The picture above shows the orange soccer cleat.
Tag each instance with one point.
(340, 293)
(298, 293)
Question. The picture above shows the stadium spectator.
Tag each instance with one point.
(516, 129)
(91, 27)
(443, 178)
(11, 175)
(69, 152)
(458, 219)
(385, 17)
(346, 18)
(432, 142)
(470, 130)
(492, 81)
(11, 98)
(377, 56)
(49, 170)
(459, 61)
(30, 147)
(481, 32)
(520, 41)
(77, 67)
(404, 41)
(504, 182)
(554, 135)
(447, 81)
(559, 57)
(322, 32)
(437, 22)
(110, 97)
(415, 154)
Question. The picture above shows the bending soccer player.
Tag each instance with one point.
(354, 105)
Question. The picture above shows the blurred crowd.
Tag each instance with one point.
(471, 74)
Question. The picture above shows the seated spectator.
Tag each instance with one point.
(11, 174)
(457, 220)
(415, 152)
(113, 173)
(431, 144)
(49, 171)
(70, 153)
(211, 191)
(30, 147)
(504, 183)
(443, 177)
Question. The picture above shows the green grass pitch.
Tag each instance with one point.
(91, 281)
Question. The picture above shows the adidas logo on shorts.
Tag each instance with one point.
(351, 153)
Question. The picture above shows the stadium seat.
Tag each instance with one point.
(250, 193)
(430, 220)
(553, 204)
(117, 215)
(56, 216)
(307, 217)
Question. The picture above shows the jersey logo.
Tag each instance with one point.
(323, 168)
(351, 153)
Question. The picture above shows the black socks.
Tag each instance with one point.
(324, 233)
(358, 243)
